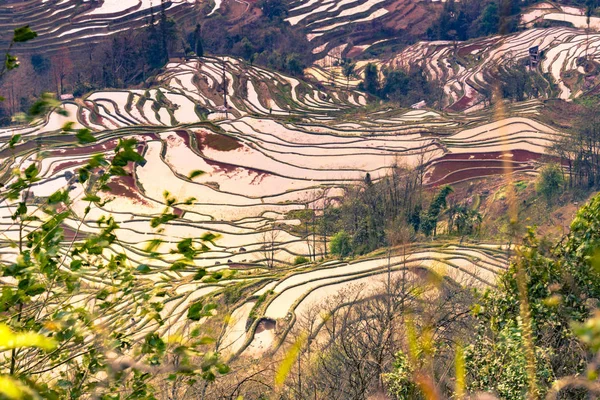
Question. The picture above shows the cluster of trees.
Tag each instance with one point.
(534, 335)
(547, 291)
(518, 82)
(474, 18)
(580, 149)
(390, 211)
(371, 211)
(469, 19)
(550, 183)
(269, 41)
(405, 87)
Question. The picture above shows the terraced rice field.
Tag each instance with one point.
(268, 144)
(575, 16)
(465, 69)
(76, 25)
(349, 27)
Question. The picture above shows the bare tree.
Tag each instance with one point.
(62, 67)
(359, 331)
(270, 245)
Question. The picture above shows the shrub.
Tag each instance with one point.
(400, 381)
(300, 260)
(550, 182)
(340, 244)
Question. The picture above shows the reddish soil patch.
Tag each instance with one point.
(478, 169)
(354, 51)
(103, 147)
(239, 266)
(264, 95)
(25, 147)
(66, 165)
(408, 14)
(216, 142)
(125, 186)
(184, 135)
(78, 151)
(452, 168)
(517, 155)
(151, 136)
(96, 118)
(234, 9)
(561, 113)
(258, 178)
(71, 234)
(221, 166)
(461, 104)
(84, 119)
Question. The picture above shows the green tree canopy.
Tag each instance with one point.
(562, 286)
(341, 244)
(550, 182)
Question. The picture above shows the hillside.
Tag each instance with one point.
(283, 146)
(209, 221)
(75, 25)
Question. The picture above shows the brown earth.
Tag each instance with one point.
(560, 113)
(452, 168)
(216, 141)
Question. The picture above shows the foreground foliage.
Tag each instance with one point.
(563, 287)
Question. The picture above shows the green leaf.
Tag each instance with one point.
(76, 265)
(153, 245)
(21, 209)
(84, 175)
(14, 340)
(14, 140)
(200, 274)
(92, 197)
(44, 104)
(11, 62)
(143, 268)
(178, 266)
(195, 311)
(68, 126)
(35, 289)
(153, 343)
(209, 237)
(23, 34)
(205, 340)
(209, 307)
(103, 294)
(64, 383)
(84, 136)
(163, 219)
(31, 171)
(59, 196)
(222, 368)
(97, 160)
(195, 173)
